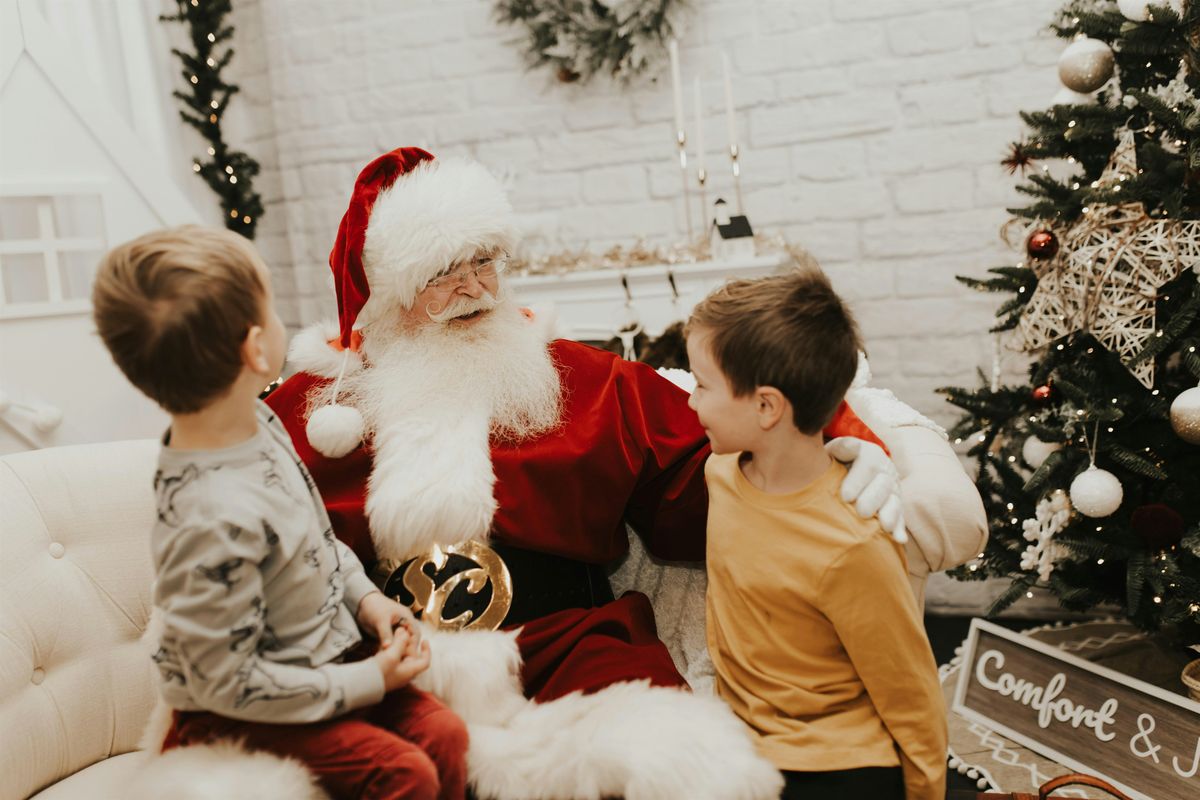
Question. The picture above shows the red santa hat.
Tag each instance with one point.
(410, 219)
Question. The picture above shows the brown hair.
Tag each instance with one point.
(173, 308)
(791, 332)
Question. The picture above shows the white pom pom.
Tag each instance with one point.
(982, 783)
(954, 762)
(972, 774)
(335, 430)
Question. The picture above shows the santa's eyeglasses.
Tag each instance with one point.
(482, 268)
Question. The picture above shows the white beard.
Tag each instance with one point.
(432, 397)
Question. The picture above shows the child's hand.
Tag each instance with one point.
(397, 665)
(389, 657)
(379, 615)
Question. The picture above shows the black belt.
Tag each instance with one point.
(542, 584)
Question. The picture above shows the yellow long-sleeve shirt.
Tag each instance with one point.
(815, 634)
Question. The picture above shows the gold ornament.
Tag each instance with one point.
(1106, 281)
(1085, 65)
(1185, 415)
(429, 598)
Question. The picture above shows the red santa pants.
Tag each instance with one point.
(408, 746)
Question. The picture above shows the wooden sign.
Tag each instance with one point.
(1142, 739)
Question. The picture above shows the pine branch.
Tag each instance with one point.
(229, 173)
(1012, 594)
(1135, 580)
(1040, 478)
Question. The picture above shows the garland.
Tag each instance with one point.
(229, 173)
(580, 39)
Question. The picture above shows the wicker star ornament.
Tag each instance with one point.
(1115, 261)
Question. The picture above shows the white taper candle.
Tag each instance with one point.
(730, 120)
(676, 86)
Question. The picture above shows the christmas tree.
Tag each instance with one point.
(1091, 473)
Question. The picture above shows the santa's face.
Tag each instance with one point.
(461, 296)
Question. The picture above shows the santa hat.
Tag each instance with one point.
(410, 218)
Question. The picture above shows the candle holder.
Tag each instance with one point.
(737, 177)
(681, 141)
(702, 178)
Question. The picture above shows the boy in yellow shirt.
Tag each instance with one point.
(812, 626)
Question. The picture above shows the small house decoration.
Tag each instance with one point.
(730, 237)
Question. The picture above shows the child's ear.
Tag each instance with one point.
(254, 356)
(771, 406)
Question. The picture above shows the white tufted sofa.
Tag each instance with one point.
(75, 686)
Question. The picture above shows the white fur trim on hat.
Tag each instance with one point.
(312, 352)
(439, 213)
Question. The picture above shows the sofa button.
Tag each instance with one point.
(57, 550)
(39, 675)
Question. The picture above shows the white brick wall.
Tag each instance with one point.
(871, 131)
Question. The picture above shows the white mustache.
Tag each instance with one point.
(463, 307)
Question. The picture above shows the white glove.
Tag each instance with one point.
(872, 483)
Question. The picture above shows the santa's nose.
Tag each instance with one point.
(471, 287)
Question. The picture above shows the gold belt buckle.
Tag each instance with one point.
(429, 598)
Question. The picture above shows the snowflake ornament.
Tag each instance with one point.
(1050, 517)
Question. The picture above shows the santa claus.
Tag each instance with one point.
(491, 474)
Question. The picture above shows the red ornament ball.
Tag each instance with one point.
(1042, 244)
(1042, 393)
(1159, 525)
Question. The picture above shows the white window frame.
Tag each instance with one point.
(49, 244)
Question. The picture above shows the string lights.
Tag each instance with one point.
(229, 173)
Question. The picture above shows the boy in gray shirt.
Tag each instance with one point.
(261, 604)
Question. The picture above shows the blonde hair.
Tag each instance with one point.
(174, 307)
(791, 332)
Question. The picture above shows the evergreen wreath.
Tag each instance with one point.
(584, 38)
(229, 173)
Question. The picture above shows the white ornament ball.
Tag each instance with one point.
(1185, 415)
(1035, 451)
(1134, 10)
(335, 430)
(1085, 65)
(1096, 492)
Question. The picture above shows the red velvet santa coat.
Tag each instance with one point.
(628, 449)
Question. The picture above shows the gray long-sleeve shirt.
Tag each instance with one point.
(257, 595)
